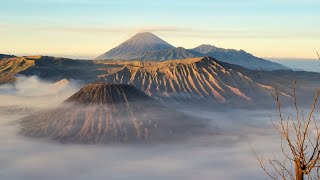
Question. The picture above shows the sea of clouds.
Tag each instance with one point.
(226, 155)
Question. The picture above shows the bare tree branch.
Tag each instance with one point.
(303, 145)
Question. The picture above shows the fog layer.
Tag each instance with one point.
(225, 155)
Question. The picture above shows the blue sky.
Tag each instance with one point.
(87, 28)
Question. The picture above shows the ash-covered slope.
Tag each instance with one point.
(104, 113)
(240, 58)
(134, 47)
(103, 93)
(189, 80)
(9, 67)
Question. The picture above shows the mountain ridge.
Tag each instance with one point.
(172, 77)
(147, 46)
(199, 79)
(238, 57)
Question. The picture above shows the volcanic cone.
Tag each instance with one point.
(103, 113)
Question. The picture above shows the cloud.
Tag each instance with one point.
(244, 34)
(33, 92)
(183, 32)
(4, 26)
(109, 29)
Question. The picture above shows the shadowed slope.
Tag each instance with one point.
(103, 113)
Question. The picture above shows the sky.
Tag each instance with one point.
(88, 28)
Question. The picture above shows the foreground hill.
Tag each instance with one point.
(147, 46)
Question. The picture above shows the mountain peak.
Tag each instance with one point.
(147, 46)
(139, 43)
(146, 38)
(145, 34)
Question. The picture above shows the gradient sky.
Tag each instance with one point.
(88, 28)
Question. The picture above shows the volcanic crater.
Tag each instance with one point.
(103, 113)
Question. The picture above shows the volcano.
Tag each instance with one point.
(107, 113)
(136, 46)
(194, 80)
(147, 46)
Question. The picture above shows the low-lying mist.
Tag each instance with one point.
(225, 155)
(32, 92)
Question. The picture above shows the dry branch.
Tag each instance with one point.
(302, 144)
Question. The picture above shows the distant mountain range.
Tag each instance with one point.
(240, 58)
(147, 46)
(192, 80)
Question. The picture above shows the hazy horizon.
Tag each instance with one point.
(304, 64)
(85, 29)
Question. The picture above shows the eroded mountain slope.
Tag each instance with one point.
(201, 79)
